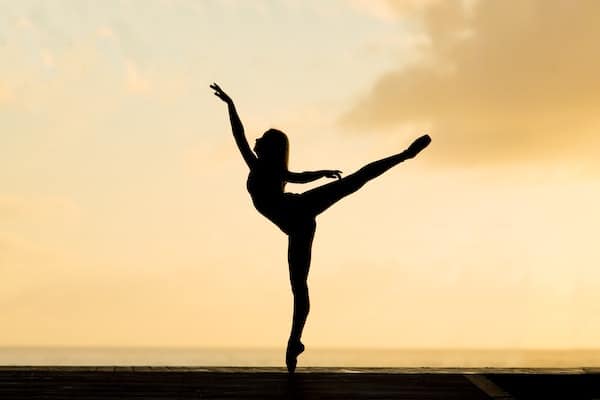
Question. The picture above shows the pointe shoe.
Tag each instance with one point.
(418, 145)
(291, 356)
(291, 363)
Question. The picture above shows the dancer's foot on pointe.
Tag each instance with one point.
(418, 145)
(294, 349)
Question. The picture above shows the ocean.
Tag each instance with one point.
(313, 357)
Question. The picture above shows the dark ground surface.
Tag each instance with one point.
(308, 383)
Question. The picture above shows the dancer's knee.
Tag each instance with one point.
(300, 290)
(300, 293)
(358, 179)
(367, 173)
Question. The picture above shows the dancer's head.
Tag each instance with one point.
(273, 149)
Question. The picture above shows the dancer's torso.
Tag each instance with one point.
(266, 189)
(286, 210)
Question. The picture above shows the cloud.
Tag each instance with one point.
(379, 9)
(390, 10)
(500, 81)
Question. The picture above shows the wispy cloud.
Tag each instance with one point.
(391, 10)
(380, 9)
(501, 81)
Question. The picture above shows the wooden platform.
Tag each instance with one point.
(23, 382)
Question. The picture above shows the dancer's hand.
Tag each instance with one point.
(416, 146)
(220, 93)
(332, 173)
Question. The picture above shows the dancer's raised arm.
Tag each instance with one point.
(236, 127)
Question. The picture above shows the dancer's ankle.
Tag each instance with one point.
(295, 346)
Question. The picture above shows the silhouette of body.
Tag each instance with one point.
(294, 213)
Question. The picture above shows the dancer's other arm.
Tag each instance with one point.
(309, 176)
(236, 127)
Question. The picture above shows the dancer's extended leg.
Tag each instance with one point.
(320, 198)
(299, 254)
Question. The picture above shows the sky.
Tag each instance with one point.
(124, 218)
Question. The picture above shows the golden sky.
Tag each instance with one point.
(123, 210)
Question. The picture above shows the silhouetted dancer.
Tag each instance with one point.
(295, 213)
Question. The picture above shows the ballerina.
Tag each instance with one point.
(293, 213)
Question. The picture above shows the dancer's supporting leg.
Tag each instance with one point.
(320, 198)
(299, 254)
